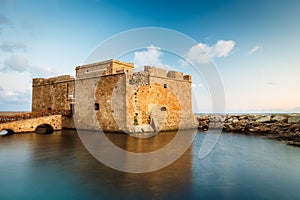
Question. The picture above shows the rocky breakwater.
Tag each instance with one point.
(284, 127)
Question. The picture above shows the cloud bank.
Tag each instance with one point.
(16, 74)
(203, 53)
(19, 63)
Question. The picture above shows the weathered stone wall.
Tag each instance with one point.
(52, 93)
(85, 114)
(280, 126)
(29, 125)
(155, 105)
(110, 95)
(100, 96)
(182, 89)
(160, 99)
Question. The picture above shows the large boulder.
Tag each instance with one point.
(294, 118)
(141, 131)
(264, 119)
(279, 118)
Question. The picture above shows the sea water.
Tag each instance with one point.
(58, 166)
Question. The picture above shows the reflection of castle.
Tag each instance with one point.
(120, 99)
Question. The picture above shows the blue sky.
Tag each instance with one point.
(257, 60)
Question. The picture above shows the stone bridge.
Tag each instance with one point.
(40, 122)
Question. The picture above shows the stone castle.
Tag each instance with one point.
(110, 96)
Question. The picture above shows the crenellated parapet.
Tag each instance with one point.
(103, 68)
(159, 72)
(51, 81)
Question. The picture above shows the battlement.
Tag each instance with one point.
(52, 80)
(103, 68)
(159, 72)
(188, 78)
(176, 75)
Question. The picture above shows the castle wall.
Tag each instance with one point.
(181, 87)
(160, 99)
(100, 96)
(110, 97)
(52, 93)
(155, 105)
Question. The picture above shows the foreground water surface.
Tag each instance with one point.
(58, 166)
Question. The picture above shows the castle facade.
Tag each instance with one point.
(110, 96)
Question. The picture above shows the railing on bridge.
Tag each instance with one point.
(31, 115)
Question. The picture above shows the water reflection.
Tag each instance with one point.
(150, 158)
(58, 166)
(142, 145)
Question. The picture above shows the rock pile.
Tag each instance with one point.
(278, 126)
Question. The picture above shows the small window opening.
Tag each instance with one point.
(165, 86)
(49, 108)
(71, 108)
(97, 106)
(163, 108)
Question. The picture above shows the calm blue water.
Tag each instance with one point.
(57, 166)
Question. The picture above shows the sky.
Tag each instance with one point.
(254, 45)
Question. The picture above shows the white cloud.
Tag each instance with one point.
(15, 82)
(14, 100)
(198, 54)
(16, 63)
(150, 57)
(202, 53)
(19, 63)
(255, 49)
(222, 48)
(12, 46)
(15, 90)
